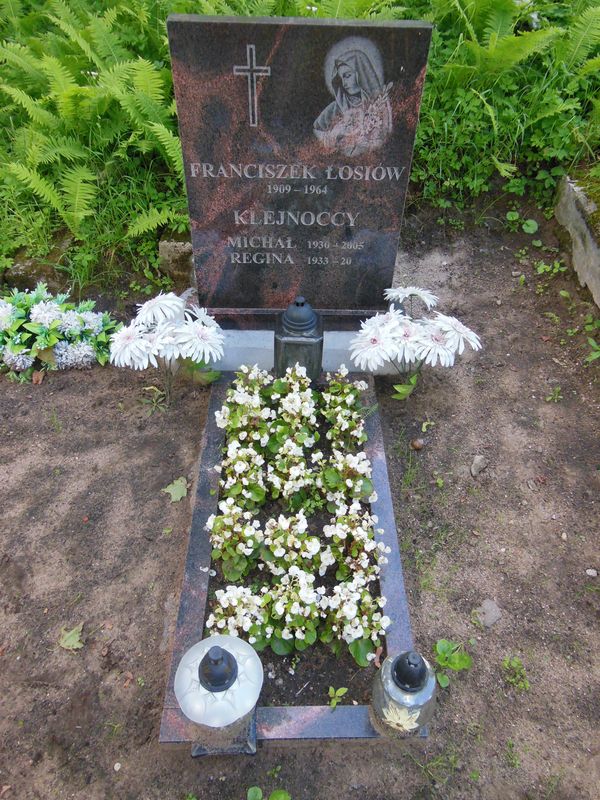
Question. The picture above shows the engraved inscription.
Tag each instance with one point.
(251, 71)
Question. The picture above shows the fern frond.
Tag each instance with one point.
(33, 107)
(498, 24)
(151, 220)
(22, 58)
(79, 190)
(107, 43)
(511, 50)
(171, 146)
(57, 147)
(11, 10)
(78, 39)
(37, 184)
(59, 77)
(584, 37)
(148, 80)
(590, 67)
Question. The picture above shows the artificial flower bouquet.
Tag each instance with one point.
(170, 333)
(38, 330)
(291, 461)
(406, 342)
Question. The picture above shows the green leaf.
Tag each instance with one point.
(332, 478)
(443, 679)
(529, 226)
(460, 660)
(254, 793)
(177, 490)
(404, 390)
(360, 649)
(71, 640)
(279, 794)
(282, 647)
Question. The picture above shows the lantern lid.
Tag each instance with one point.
(409, 671)
(203, 686)
(299, 317)
(218, 669)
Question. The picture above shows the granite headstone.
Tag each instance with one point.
(297, 140)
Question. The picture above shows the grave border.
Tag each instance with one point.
(280, 723)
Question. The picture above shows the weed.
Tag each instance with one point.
(474, 775)
(511, 756)
(514, 673)
(274, 773)
(335, 695)
(475, 620)
(55, 422)
(450, 655)
(155, 400)
(256, 793)
(440, 769)
(555, 396)
(140, 681)
(115, 729)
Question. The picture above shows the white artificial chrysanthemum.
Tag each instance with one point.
(201, 314)
(401, 293)
(167, 341)
(372, 347)
(200, 342)
(45, 312)
(434, 345)
(6, 313)
(128, 348)
(18, 362)
(457, 333)
(160, 308)
(406, 337)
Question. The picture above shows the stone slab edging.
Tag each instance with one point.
(573, 211)
(280, 723)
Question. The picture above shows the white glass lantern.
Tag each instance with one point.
(218, 681)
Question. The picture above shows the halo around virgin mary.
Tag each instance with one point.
(360, 118)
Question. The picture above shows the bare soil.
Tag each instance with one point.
(88, 536)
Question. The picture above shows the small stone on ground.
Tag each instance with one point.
(479, 464)
(488, 612)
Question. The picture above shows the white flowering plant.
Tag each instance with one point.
(46, 332)
(303, 580)
(170, 333)
(398, 338)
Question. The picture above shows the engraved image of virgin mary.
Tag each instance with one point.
(360, 117)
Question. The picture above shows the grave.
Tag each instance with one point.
(297, 139)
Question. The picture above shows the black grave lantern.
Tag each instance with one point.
(299, 339)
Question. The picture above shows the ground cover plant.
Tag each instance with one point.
(43, 332)
(89, 137)
(291, 451)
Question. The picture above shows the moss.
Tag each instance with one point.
(591, 186)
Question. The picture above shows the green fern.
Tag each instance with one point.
(151, 220)
(38, 185)
(171, 146)
(79, 190)
(584, 37)
(33, 107)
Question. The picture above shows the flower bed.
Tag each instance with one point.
(291, 706)
(291, 461)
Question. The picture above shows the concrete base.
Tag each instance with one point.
(573, 210)
(256, 347)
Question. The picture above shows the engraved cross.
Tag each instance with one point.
(251, 70)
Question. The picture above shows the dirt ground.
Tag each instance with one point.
(88, 537)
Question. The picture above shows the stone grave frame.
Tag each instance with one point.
(279, 723)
